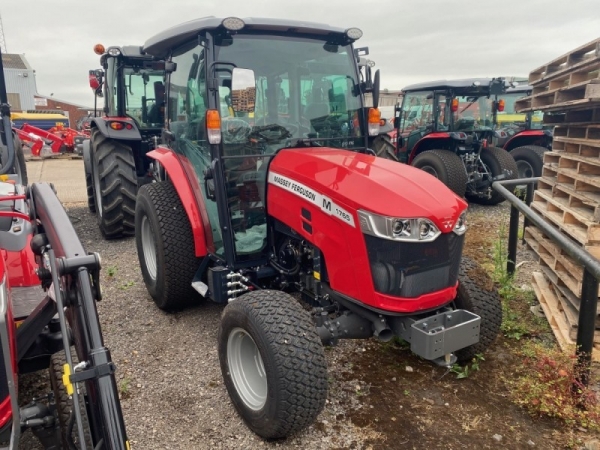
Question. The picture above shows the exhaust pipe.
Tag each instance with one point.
(356, 323)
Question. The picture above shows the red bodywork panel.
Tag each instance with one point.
(5, 406)
(21, 267)
(353, 181)
(181, 173)
(528, 134)
(436, 135)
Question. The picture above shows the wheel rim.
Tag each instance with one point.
(525, 169)
(247, 369)
(97, 192)
(148, 247)
(430, 170)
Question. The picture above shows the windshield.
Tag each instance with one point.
(303, 88)
(144, 96)
(474, 113)
(509, 118)
(271, 92)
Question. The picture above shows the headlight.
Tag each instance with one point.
(233, 23)
(354, 33)
(114, 51)
(398, 229)
(461, 224)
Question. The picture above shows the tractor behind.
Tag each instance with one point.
(522, 134)
(269, 188)
(132, 85)
(445, 128)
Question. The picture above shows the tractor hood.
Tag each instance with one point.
(360, 181)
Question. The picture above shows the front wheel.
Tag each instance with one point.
(496, 162)
(383, 147)
(446, 167)
(273, 363)
(64, 404)
(165, 246)
(530, 160)
(477, 294)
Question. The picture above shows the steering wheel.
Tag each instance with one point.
(271, 134)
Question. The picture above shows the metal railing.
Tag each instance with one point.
(591, 274)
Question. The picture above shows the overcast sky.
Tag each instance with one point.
(410, 40)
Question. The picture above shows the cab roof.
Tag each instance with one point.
(519, 89)
(466, 84)
(160, 44)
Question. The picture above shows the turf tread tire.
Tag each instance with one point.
(292, 355)
(64, 403)
(114, 165)
(449, 167)
(481, 300)
(175, 255)
(497, 159)
(532, 154)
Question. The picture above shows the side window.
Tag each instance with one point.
(443, 117)
(187, 103)
(417, 111)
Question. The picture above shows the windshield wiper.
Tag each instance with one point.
(469, 105)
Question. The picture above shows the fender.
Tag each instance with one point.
(101, 123)
(437, 135)
(181, 174)
(527, 135)
(87, 157)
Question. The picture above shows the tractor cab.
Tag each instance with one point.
(455, 114)
(239, 96)
(132, 85)
(516, 129)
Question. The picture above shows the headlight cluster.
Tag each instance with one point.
(461, 224)
(399, 229)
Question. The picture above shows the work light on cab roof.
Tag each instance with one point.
(354, 33)
(233, 23)
(99, 49)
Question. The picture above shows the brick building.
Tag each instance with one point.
(73, 111)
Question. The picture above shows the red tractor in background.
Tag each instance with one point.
(269, 188)
(522, 134)
(48, 318)
(132, 118)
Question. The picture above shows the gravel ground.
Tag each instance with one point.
(168, 372)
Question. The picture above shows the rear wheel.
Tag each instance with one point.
(165, 246)
(477, 294)
(446, 167)
(114, 185)
(89, 185)
(496, 162)
(64, 404)
(530, 160)
(273, 363)
(383, 147)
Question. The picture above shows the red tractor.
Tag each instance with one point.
(115, 161)
(522, 134)
(268, 189)
(48, 319)
(446, 127)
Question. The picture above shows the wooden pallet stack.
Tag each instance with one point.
(567, 90)
(242, 100)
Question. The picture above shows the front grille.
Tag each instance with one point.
(411, 269)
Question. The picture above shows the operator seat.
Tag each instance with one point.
(156, 113)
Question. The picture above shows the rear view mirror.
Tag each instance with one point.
(243, 91)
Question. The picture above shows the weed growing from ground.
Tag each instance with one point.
(547, 386)
(467, 369)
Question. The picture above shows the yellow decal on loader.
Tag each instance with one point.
(66, 379)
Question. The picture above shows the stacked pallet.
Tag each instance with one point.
(242, 100)
(568, 194)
